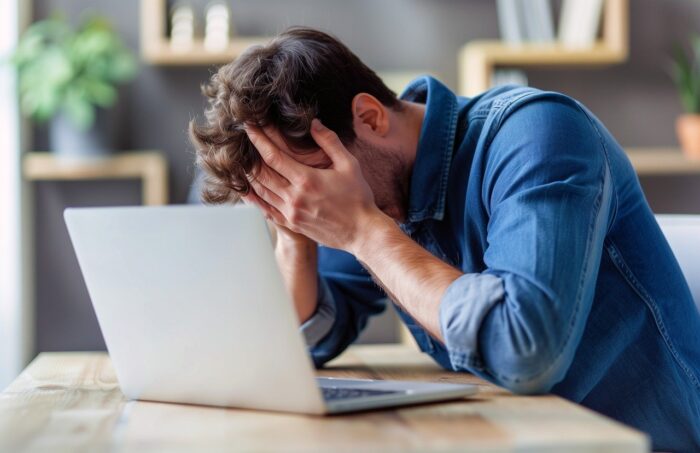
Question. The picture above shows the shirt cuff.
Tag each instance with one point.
(321, 322)
(463, 308)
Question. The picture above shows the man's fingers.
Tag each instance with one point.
(272, 155)
(271, 179)
(270, 212)
(329, 142)
(266, 194)
(276, 137)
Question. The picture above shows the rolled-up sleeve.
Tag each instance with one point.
(321, 322)
(548, 193)
(462, 311)
(347, 298)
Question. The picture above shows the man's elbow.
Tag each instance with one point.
(529, 386)
(527, 374)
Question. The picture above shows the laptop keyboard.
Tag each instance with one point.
(340, 393)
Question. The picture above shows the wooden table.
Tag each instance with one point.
(71, 402)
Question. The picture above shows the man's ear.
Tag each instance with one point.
(371, 114)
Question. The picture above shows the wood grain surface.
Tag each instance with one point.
(71, 402)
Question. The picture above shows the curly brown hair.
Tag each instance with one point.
(300, 75)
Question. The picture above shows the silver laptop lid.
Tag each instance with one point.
(192, 306)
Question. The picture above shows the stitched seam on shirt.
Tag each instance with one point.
(595, 212)
(606, 154)
(447, 159)
(504, 107)
(447, 144)
(651, 304)
(579, 293)
(501, 110)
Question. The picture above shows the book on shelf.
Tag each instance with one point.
(525, 21)
(539, 24)
(579, 22)
(510, 21)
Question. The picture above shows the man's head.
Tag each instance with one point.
(300, 75)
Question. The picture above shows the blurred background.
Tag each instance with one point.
(94, 107)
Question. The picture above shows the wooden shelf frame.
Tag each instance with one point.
(662, 162)
(156, 49)
(478, 59)
(149, 166)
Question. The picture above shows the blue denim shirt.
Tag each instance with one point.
(569, 286)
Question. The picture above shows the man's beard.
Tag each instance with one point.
(388, 175)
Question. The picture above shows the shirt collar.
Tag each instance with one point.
(435, 147)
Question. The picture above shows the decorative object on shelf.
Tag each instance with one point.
(686, 74)
(157, 50)
(511, 24)
(217, 32)
(579, 22)
(523, 21)
(182, 27)
(70, 76)
(478, 59)
(539, 24)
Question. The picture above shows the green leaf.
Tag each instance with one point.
(686, 76)
(123, 67)
(40, 103)
(29, 48)
(91, 44)
(60, 67)
(80, 112)
(100, 92)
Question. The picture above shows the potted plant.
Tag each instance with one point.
(686, 75)
(69, 76)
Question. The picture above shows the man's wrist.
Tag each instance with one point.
(375, 228)
(290, 240)
(294, 247)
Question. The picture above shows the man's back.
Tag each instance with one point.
(569, 285)
(641, 342)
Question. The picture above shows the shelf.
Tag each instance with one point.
(163, 54)
(662, 162)
(478, 59)
(149, 166)
(156, 49)
(499, 53)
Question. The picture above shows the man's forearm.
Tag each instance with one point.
(335, 206)
(413, 277)
(297, 259)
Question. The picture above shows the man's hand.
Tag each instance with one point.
(331, 206)
(335, 207)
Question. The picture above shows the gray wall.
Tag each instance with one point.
(635, 100)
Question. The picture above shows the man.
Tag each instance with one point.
(509, 229)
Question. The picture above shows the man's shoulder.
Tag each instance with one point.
(514, 111)
(503, 100)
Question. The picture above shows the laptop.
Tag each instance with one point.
(193, 309)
